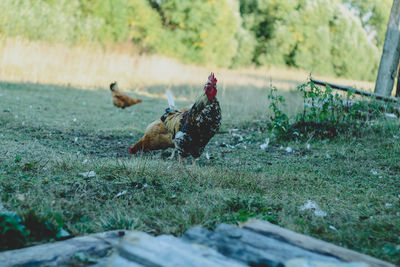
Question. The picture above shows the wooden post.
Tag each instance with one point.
(398, 83)
(391, 53)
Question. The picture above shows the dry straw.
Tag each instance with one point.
(93, 66)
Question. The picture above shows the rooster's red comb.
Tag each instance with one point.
(211, 79)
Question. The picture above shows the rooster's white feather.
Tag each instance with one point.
(171, 101)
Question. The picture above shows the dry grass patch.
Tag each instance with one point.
(92, 66)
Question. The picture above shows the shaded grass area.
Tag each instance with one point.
(50, 135)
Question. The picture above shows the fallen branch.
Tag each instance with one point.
(356, 91)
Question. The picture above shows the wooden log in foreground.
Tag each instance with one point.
(356, 91)
(62, 253)
(256, 243)
(312, 244)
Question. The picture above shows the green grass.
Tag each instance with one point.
(51, 134)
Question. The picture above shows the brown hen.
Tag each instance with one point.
(121, 100)
(155, 137)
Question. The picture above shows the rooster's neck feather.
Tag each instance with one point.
(201, 101)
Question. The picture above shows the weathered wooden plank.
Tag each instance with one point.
(143, 249)
(256, 244)
(309, 263)
(282, 249)
(231, 247)
(60, 253)
(251, 248)
(118, 261)
(391, 53)
(312, 244)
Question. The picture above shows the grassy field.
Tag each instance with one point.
(50, 134)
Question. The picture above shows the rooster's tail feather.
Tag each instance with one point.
(171, 102)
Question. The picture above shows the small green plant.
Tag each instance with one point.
(244, 209)
(322, 112)
(13, 234)
(17, 159)
(16, 232)
(324, 106)
(325, 114)
(279, 124)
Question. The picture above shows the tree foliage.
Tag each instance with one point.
(133, 20)
(374, 15)
(316, 35)
(201, 31)
(340, 37)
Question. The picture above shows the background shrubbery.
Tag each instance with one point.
(336, 37)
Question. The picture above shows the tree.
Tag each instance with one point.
(321, 36)
(200, 31)
(126, 20)
(353, 55)
(374, 15)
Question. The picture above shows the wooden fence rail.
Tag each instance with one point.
(356, 91)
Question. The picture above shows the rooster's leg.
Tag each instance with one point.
(194, 161)
(180, 159)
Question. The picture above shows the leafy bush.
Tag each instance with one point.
(325, 113)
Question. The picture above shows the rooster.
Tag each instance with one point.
(120, 100)
(192, 129)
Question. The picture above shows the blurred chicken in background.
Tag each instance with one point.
(120, 100)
